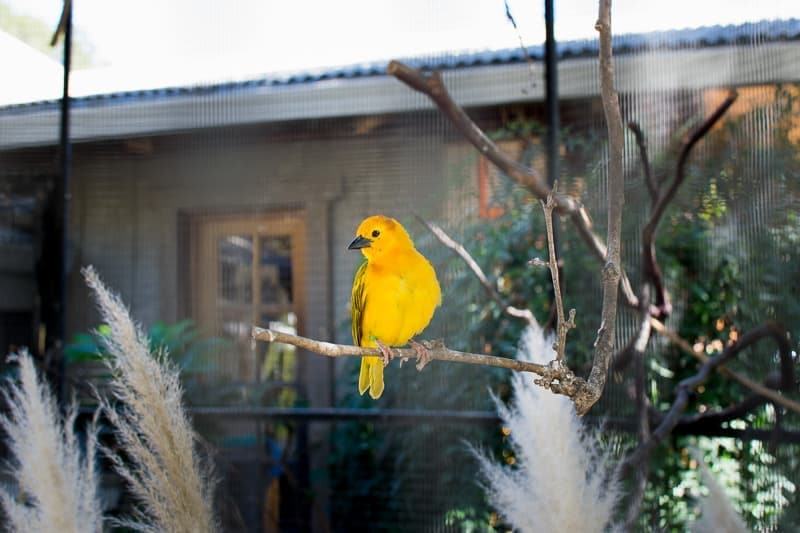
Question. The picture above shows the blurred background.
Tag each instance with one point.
(217, 161)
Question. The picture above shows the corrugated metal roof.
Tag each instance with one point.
(755, 32)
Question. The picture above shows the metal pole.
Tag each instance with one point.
(551, 113)
(551, 93)
(61, 204)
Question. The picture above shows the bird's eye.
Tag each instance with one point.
(375, 233)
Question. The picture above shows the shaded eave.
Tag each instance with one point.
(686, 59)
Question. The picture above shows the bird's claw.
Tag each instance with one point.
(386, 352)
(423, 354)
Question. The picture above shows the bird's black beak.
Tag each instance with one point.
(359, 243)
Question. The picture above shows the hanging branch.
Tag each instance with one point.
(715, 419)
(786, 369)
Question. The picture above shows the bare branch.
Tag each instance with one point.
(649, 179)
(562, 326)
(714, 419)
(687, 386)
(475, 268)
(787, 369)
(556, 377)
(431, 85)
(604, 345)
(652, 272)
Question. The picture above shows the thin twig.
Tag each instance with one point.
(787, 369)
(475, 268)
(562, 326)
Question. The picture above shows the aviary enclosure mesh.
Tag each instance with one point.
(249, 222)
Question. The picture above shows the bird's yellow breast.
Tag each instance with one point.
(400, 299)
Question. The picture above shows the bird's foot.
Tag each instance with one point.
(423, 353)
(386, 352)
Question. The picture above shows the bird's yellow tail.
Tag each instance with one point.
(371, 377)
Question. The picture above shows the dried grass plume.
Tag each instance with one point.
(56, 484)
(717, 514)
(561, 480)
(162, 467)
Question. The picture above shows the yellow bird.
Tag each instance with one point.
(395, 292)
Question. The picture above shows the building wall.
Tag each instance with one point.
(127, 208)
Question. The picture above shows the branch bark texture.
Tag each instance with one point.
(556, 377)
(604, 346)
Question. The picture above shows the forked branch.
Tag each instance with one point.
(652, 272)
(562, 325)
(612, 270)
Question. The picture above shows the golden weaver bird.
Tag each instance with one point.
(395, 292)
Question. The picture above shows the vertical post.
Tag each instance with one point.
(551, 93)
(553, 140)
(61, 205)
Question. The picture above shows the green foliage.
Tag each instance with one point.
(724, 284)
(181, 341)
(728, 266)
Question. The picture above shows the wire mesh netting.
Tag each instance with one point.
(215, 208)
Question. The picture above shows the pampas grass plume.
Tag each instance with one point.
(162, 467)
(562, 482)
(717, 514)
(56, 484)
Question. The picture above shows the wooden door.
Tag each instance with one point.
(249, 270)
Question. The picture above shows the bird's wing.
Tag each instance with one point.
(358, 302)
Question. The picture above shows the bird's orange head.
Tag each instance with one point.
(379, 237)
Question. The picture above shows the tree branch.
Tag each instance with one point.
(652, 272)
(477, 271)
(604, 345)
(787, 368)
(556, 377)
(432, 85)
(714, 419)
(687, 386)
(638, 349)
(562, 325)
